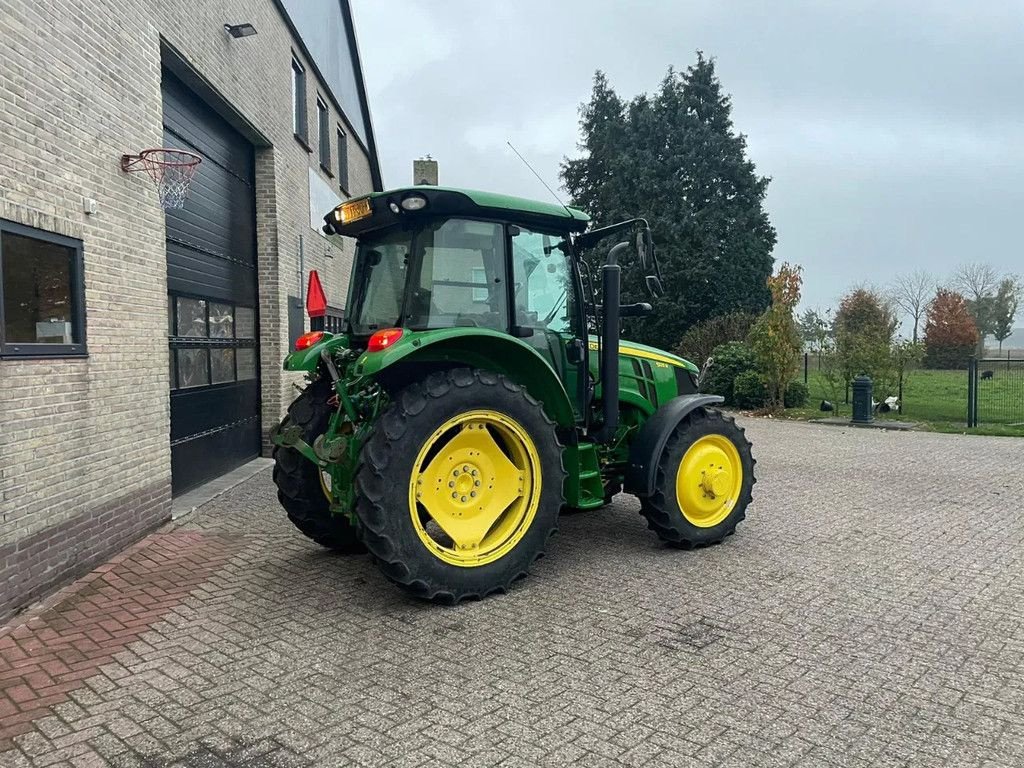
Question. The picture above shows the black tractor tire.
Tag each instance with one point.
(662, 510)
(387, 466)
(298, 479)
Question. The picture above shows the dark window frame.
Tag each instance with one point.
(343, 161)
(28, 350)
(300, 114)
(323, 120)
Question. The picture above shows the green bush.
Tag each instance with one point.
(748, 390)
(699, 342)
(731, 360)
(796, 394)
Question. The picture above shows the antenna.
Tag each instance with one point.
(549, 189)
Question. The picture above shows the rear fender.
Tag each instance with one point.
(646, 450)
(308, 359)
(478, 348)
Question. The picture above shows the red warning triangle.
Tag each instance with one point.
(316, 299)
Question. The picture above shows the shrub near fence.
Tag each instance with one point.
(927, 395)
(941, 395)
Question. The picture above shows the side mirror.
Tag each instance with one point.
(645, 249)
(653, 286)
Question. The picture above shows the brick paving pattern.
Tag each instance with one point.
(45, 658)
(870, 612)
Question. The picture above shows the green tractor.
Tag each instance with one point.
(479, 386)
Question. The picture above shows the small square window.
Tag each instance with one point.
(42, 296)
(246, 363)
(245, 323)
(342, 161)
(299, 120)
(191, 317)
(222, 321)
(323, 124)
(222, 365)
(193, 368)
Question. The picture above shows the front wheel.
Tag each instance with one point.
(704, 481)
(459, 486)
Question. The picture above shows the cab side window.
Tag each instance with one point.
(543, 281)
(462, 276)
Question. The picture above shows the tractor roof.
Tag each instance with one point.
(448, 201)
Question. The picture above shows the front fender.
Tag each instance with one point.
(479, 348)
(646, 450)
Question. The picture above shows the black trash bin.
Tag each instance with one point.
(862, 410)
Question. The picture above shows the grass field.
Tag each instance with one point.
(938, 399)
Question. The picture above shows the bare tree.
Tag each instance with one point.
(912, 293)
(976, 280)
(979, 283)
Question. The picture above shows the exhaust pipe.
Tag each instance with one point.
(611, 275)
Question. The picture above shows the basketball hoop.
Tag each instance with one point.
(171, 169)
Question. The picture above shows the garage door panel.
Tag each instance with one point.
(212, 287)
(194, 411)
(210, 455)
(217, 216)
(194, 122)
(199, 274)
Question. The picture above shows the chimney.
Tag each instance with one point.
(424, 171)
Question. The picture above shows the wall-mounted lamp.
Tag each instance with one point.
(240, 30)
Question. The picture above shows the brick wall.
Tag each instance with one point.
(86, 440)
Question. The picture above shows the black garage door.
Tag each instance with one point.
(211, 286)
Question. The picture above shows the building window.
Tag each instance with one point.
(334, 321)
(42, 294)
(323, 122)
(342, 161)
(299, 121)
(211, 342)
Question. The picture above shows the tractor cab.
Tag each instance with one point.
(480, 385)
(431, 258)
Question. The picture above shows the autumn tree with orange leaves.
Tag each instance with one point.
(775, 336)
(950, 333)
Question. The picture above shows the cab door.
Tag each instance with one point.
(545, 308)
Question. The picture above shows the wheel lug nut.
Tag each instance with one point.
(463, 498)
(473, 473)
(451, 483)
(472, 494)
(455, 495)
(456, 473)
(465, 469)
(476, 483)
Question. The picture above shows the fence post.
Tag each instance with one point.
(972, 392)
(899, 395)
(807, 356)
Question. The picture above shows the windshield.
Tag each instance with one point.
(454, 270)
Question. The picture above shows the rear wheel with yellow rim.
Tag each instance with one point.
(704, 481)
(459, 486)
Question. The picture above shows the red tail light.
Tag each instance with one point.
(384, 339)
(307, 340)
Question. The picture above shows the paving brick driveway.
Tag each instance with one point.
(869, 612)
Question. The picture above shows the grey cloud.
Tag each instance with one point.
(892, 131)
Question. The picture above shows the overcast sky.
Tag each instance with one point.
(893, 132)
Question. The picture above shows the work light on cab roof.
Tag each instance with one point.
(479, 384)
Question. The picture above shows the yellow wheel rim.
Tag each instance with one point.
(709, 480)
(475, 488)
